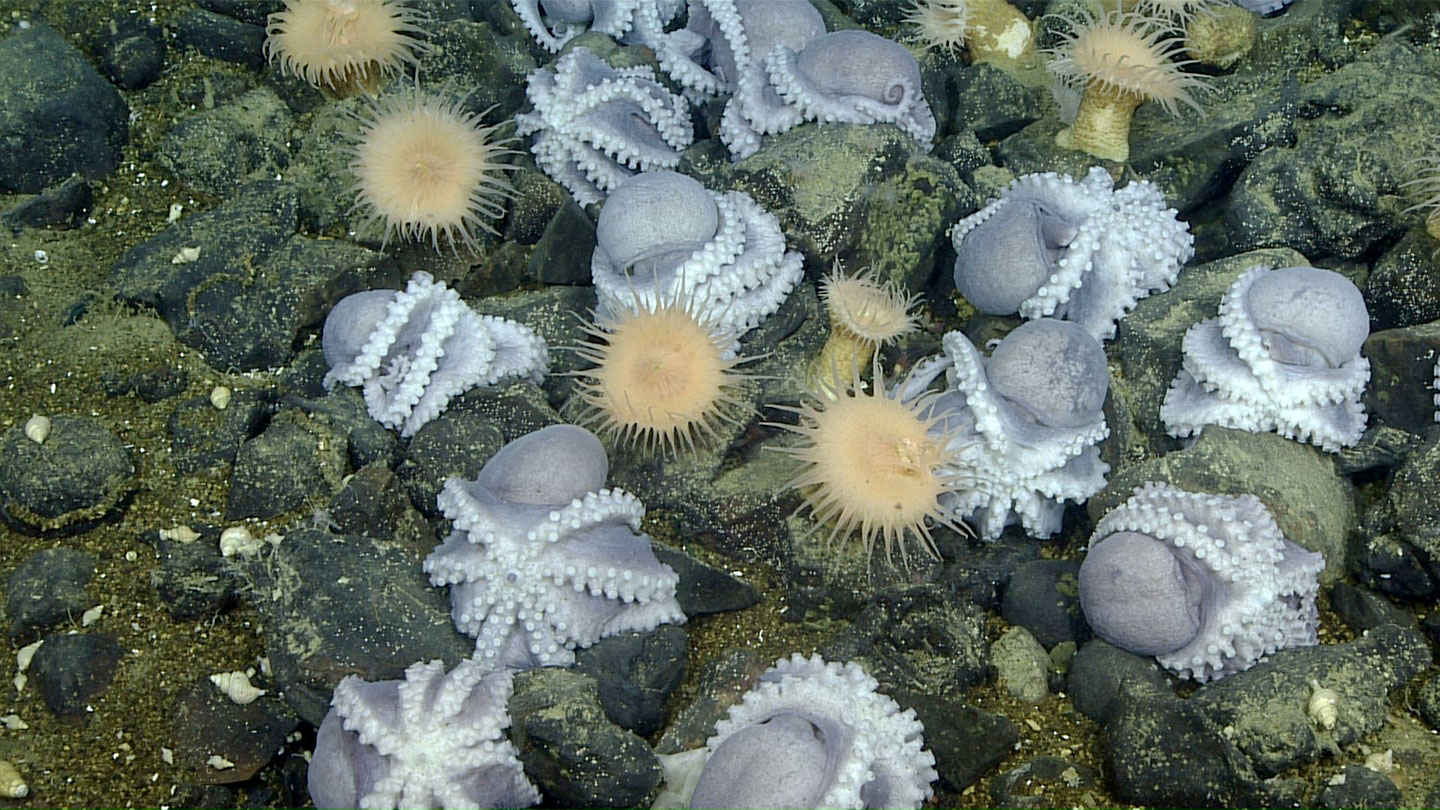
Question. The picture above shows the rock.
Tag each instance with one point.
(193, 579)
(133, 55)
(1401, 360)
(1021, 665)
(887, 639)
(456, 443)
(45, 589)
(991, 103)
(340, 605)
(221, 37)
(71, 669)
(250, 319)
(217, 151)
(1043, 596)
(1100, 671)
(1266, 705)
(206, 724)
(1362, 610)
(47, 86)
(725, 680)
(254, 12)
(1033, 783)
(63, 206)
(1403, 288)
(205, 437)
(1401, 532)
(295, 459)
(80, 474)
(634, 675)
(967, 742)
(151, 385)
(705, 589)
(372, 503)
(571, 750)
(869, 196)
(1360, 789)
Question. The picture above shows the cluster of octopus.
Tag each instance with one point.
(544, 558)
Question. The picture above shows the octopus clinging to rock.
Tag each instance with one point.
(543, 559)
(1027, 421)
(663, 238)
(414, 350)
(810, 734)
(1205, 583)
(1283, 356)
(435, 739)
(1082, 251)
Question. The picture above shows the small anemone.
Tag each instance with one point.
(1424, 187)
(1127, 54)
(939, 25)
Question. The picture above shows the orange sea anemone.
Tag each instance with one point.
(1118, 60)
(864, 315)
(990, 29)
(426, 167)
(663, 377)
(341, 44)
(870, 464)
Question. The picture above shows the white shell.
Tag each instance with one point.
(238, 540)
(37, 428)
(1323, 706)
(220, 397)
(180, 534)
(236, 686)
(12, 784)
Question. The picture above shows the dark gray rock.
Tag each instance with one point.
(1265, 706)
(1043, 596)
(151, 385)
(294, 460)
(1034, 783)
(918, 639)
(1362, 610)
(206, 723)
(340, 605)
(80, 474)
(47, 86)
(967, 742)
(63, 206)
(344, 411)
(1380, 448)
(1400, 543)
(1362, 789)
(46, 589)
(255, 286)
(193, 580)
(634, 674)
(133, 55)
(562, 254)
(221, 37)
(1162, 751)
(571, 750)
(204, 437)
(705, 589)
(725, 679)
(1098, 672)
(372, 503)
(1427, 699)
(1403, 288)
(456, 443)
(1401, 362)
(254, 12)
(217, 151)
(1336, 192)
(474, 56)
(978, 572)
(991, 103)
(71, 669)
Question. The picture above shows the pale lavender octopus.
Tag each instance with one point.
(1084, 252)
(723, 45)
(543, 559)
(662, 238)
(595, 125)
(1205, 583)
(812, 734)
(1026, 423)
(1264, 6)
(412, 351)
(1283, 356)
(435, 739)
(555, 22)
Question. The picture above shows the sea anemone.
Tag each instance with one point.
(876, 464)
(991, 29)
(663, 377)
(1119, 59)
(427, 167)
(864, 315)
(1425, 185)
(338, 45)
